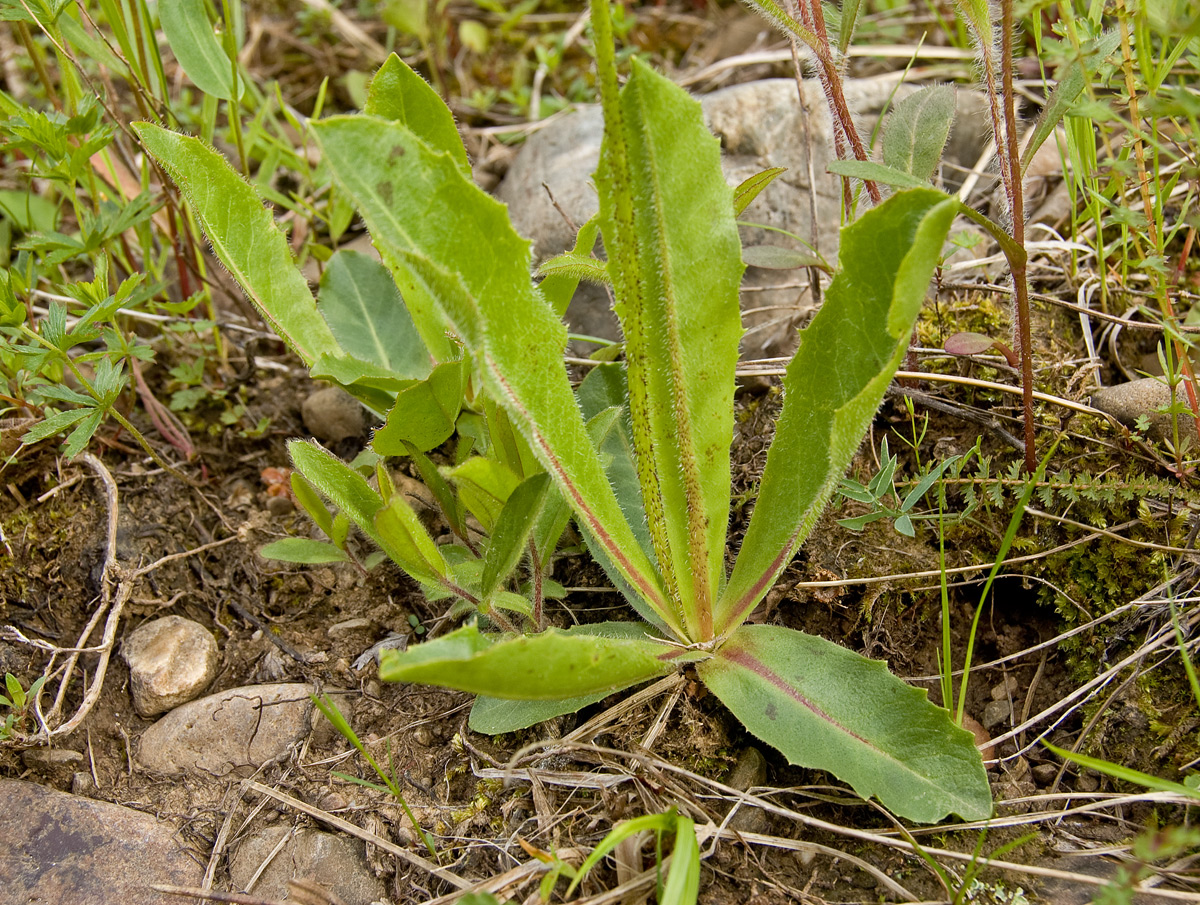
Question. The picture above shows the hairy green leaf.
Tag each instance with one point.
(302, 550)
(561, 278)
(915, 132)
(510, 537)
(834, 383)
(407, 542)
(398, 93)
(432, 223)
(341, 484)
(244, 237)
(828, 708)
(868, 170)
(675, 261)
(547, 666)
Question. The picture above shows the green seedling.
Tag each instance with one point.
(337, 719)
(682, 884)
(17, 702)
(640, 456)
(882, 489)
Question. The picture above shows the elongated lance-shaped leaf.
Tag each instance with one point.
(834, 383)
(244, 237)
(550, 665)
(451, 238)
(831, 709)
(345, 487)
(675, 261)
(195, 44)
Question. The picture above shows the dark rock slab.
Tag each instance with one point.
(60, 848)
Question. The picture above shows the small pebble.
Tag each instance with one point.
(1128, 401)
(332, 414)
(1044, 774)
(280, 506)
(171, 661)
(1005, 689)
(996, 713)
(1087, 782)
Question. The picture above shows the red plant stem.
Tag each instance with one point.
(1016, 202)
(830, 77)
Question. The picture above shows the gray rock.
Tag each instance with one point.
(60, 848)
(56, 763)
(234, 731)
(1129, 401)
(171, 661)
(748, 771)
(996, 713)
(335, 862)
(332, 414)
(760, 124)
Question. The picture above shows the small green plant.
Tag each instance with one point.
(17, 702)
(337, 719)
(880, 492)
(639, 455)
(682, 884)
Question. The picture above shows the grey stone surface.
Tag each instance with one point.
(760, 125)
(233, 731)
(1129, 401)
(59, 848)
(332, 414)
(171, 661)
(996, 713)
(337, 863)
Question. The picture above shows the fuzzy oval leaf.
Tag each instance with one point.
(244, 237)
(836, 380)
(194, 42)
(550, 665)
(827, 708)
(407, 542)
(559, 284)
(359, 300)
(968, 344)
(399, 93)
(341, 484)
(915, 133)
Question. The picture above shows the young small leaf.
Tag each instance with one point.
(194, 42)
(302, 550)
(750, 188)
(510, 537)
(915, 132)
(398, 93)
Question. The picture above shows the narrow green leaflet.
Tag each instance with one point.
(484, 485)
(834, 383)
(828, 708)
(244, 237)
(675, 261)
(341, 484)
(915, 132)
(750, 188)
(302, 550)
(432, 223)
(359, 301)
(876, 172)
(1071, 82)
(547, 666)
(409, 545)
(194, 42)
(510, 537)
(398, 93)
